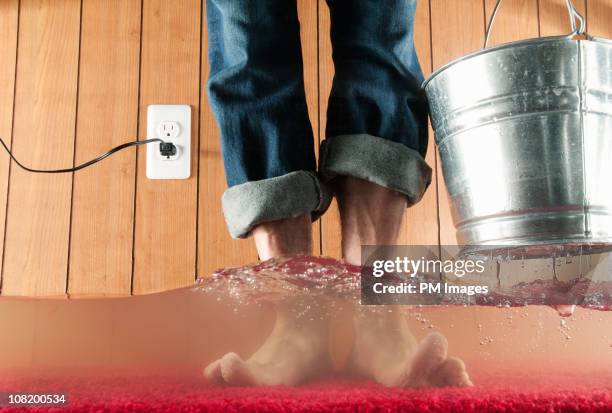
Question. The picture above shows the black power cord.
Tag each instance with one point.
(164, 146)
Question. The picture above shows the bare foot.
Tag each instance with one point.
(296, 351)
(386, 351)
(297, 348)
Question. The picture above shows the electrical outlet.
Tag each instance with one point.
(168, 129)
(172, 124)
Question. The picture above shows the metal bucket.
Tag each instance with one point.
(524, 132)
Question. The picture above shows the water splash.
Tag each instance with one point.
(280, 279)
(564, 296)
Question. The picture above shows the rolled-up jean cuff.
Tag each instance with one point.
(377, 160)
(287, 196)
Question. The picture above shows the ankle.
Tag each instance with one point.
(370, 214)
(290, 236)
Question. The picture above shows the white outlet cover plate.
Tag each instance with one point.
(157, 166)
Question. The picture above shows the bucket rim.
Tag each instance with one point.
(508, 45)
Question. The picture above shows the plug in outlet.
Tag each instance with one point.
(171, 159)
(168, 151)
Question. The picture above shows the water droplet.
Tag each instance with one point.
(565, 310)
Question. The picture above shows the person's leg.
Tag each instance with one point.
(256, 90)
(291, 236)
(377, 120)
(370, 214)
(374, 156)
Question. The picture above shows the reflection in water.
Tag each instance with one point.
(179, 333)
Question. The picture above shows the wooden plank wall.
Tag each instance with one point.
(37, 233)
(76, 78)
(166, 215)
(103, 201)
(9, 20)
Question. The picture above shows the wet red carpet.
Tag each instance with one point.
(122, 395)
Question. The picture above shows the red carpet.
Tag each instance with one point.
(339, 395)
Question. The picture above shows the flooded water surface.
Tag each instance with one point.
(178, 333)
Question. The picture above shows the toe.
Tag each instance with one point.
(451, 373)
(429, 355)
(212, 372)
(236, 372)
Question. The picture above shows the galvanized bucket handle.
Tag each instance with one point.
(573, 13)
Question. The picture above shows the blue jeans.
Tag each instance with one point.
(377, 114)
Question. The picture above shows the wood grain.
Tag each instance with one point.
(330, 222)
(554, 17)
(516, 20)
(165, 235)
(103, 201)
(308, 15)
(457, 29)
(9, 15)
(599, 16)
(38, 217)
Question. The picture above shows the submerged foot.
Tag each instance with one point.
(295, 351)
(386, 351)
